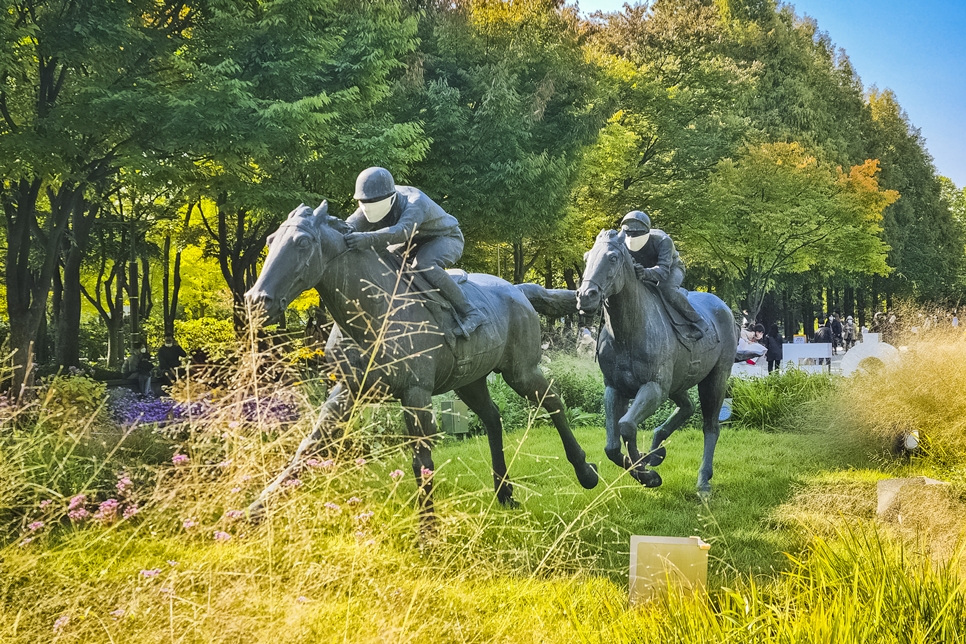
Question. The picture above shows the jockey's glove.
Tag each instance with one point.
(643, 274)
(360, 241)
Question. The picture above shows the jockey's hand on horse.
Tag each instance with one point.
(642, 274)
(360, 241)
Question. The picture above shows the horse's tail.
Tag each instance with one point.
(555, 303)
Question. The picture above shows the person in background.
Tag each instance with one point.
(848, 333)
(823, 335)
(753, 333)
(835, 325)
(137, 368)
(773, 343)
(170, 356)
(586, 345)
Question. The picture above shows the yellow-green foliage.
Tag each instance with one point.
(923, 391)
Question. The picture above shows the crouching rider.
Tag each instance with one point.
(657, 261)
(393, 216)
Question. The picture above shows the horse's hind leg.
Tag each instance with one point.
(674, 422)
(711, 393)
(477, 398)
(532, 384)
(417, 406)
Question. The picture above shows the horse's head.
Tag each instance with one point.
(298, 253)
(605, 272)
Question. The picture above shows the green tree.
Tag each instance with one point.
(777, 210)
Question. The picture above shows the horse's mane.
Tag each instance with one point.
(613, 241)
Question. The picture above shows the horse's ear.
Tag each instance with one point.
(295, 212)
(322, 210)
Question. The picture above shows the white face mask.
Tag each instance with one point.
(636, 243)
(377, 210)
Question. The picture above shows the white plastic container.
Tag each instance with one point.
(657, 562)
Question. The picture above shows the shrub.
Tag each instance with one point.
(777, 401)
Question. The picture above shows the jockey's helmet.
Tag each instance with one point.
(374, 184)
(636, 221)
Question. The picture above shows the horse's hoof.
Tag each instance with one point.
(647, 478)
(704, 494)
(656, 457)
(255, 513)
(508, 502)
(587, 475)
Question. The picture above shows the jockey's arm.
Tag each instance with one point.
(665, 257)
(399, 233)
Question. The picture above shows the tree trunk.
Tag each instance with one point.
(860, 306)
(808, 315)
(28, 285)
(518, 270)
(68, 326)
(547, 273)
(570, 278)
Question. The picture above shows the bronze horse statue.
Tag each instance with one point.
(384, 308)
(643, 361)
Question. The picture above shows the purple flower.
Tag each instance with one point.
(292, 483)
(150, 574)
(353, 501)
(235, 514)
(426, 472)
(189, 523)
(77, 501)
(60, 623)
(26, 541)
(79, 514)
(36, 525)
(45, 503)
(313, 463)
(246, 477)
(360, 462)
(329, 505)
(235, 490)
(106, 512)
(123, 483)
(365, 516)
(327, 464)
(221, 536)
(130, 511)
(117, 614)
(395, 475)
(225, 463)
(178, 459)
(129, 408)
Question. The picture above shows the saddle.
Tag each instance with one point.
(683, 327)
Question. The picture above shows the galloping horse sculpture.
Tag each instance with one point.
(643, 361)
(383, 309)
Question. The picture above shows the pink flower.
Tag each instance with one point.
(36, 525)
(365, 516)
(331, 506)
(354, 501)
(302, 599)
(77, 501)
(60, 623)
(313, 463)
(221, 536)
(246, 477)
(123, 483)
(292, 483)
(189, 523)
(225, 463)
(426, 472)
(235, 514)
(235, 490)
(117, 614)
(106, 512)
(178, 459)
(130, 511)
(395, 475)
(26, 541)
(360, 461)
(79, 514)
(149, 574)
(233, 424)
(45, 503)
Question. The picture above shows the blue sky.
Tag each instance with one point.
(915, 48)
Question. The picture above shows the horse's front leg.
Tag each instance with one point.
(615, 405)
(418, 407)
(648, 399)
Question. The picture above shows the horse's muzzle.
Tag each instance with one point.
(260, 301)
(588, 298)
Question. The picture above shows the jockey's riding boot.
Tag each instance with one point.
(468, 316)
(679, 300)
